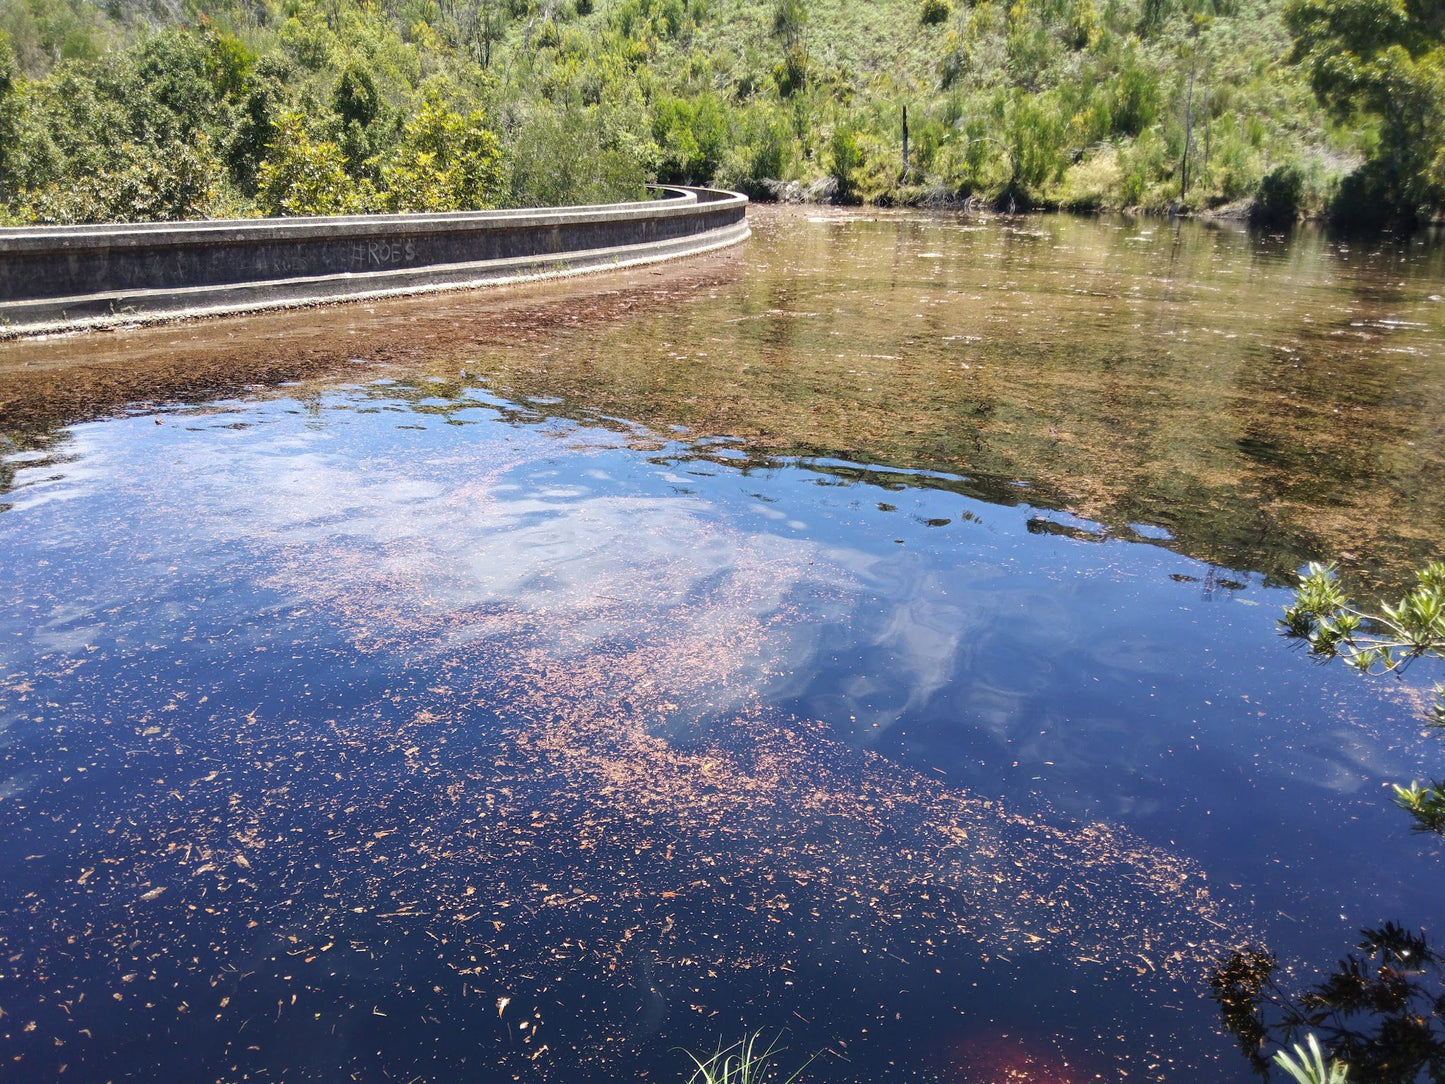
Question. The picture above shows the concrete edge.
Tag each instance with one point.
(76, 240)
(538, 269)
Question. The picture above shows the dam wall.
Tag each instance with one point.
(55, 278)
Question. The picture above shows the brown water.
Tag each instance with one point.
(867, 633)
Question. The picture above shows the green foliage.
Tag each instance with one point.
(304, 176)
(1307, 1064)
(933, 12)
(136, 186)
(45, 32)
(762, 148)
(791, 73)
(562, 156)
(1387, 640)
(1384, 59)
(1280, 197)
(9, 115)
(1026, 102)
(444, 162)
(357, 99)
(846, 158)
(261, 103)
(1135, 97)
(790, 19)
(745, 1062)
(361, 116)
(692, 136)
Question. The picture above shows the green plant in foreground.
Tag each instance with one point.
(1380, 643)
(1308, 1065)
(745, 1062)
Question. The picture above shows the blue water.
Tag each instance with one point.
(418, 731)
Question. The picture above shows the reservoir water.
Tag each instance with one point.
(867, 636)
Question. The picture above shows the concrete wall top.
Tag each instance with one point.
(70, 240)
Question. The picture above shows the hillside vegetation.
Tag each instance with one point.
(158, 109)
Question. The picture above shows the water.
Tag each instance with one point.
(868, 636)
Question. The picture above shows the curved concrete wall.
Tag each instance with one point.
(58, 277)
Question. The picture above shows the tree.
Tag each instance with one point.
(135, 185)
(304, 176)
(9, 115)
(444, 162)
(361, 115)
(264, 100)
(790, 21)
(847, 160)
(1388, 641)
(1385, 60)
(485, 24)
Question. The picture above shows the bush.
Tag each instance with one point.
(302, 176)
(846, 160)
(1094, 183)
(444, 162)
(564, 156)
(1279, 198)
(764, 152)
(255, 128)
(791, 75)
(1034, 132)
(933, 12)
(1136, 98)
(9, 115)
(1083, 28)
(790, 18)
(1370, 198)
(144, 185)
(691, 137)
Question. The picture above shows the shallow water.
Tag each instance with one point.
(869, 635)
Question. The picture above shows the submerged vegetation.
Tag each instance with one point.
(147, 110)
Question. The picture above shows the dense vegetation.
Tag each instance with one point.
(155, 109)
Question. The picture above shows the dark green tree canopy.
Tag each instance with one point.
(1384, 60)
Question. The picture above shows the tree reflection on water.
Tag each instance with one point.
(1381, 1010)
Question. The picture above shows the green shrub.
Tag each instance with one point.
(791, 75)
(764, 150)
(444, 162)
(142, 185)
(846, 159)
(1094, 183)
(691, 136)
(1136, 97)
(9, 115)
(1083, 28)
(566, 156)
(790, 18)
(304, 176)
(933, 12)
(1034, 132)
(1279, 198)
